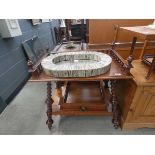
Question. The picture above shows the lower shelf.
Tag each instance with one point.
(84, 98)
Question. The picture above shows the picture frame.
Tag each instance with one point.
(33, 49)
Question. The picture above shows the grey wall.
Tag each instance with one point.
(13, 67)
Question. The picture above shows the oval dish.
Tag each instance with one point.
(76, 64)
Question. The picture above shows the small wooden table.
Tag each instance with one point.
(56, 105)
(147, 35)
(142, 32)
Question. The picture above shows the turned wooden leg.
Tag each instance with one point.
(49, 102)
(108, 96)
(115, 106)
(144, 48)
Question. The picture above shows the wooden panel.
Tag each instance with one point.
(84, 94)
(137, 99)
(129, 126)
(80, 113)
(125, 93)
(102, 30)
(140, 71)
(88, 106)
(145, 105)
(150, 109)
(142, 109)
(141, 102)
(87, 92)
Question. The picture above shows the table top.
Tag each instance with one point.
(115, 71)
(143, 32)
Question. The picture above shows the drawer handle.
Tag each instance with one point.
(83, 109)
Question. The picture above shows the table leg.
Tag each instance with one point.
(49, 102)
(115, 106)
(144, 48)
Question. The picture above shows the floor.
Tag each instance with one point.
(26, 116)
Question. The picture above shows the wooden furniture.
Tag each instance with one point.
(130, 101)
(87, 96)
(144, 33)
(102, 30)
(137, 98)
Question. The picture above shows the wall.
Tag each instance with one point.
(13, 67)
(102, 30)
